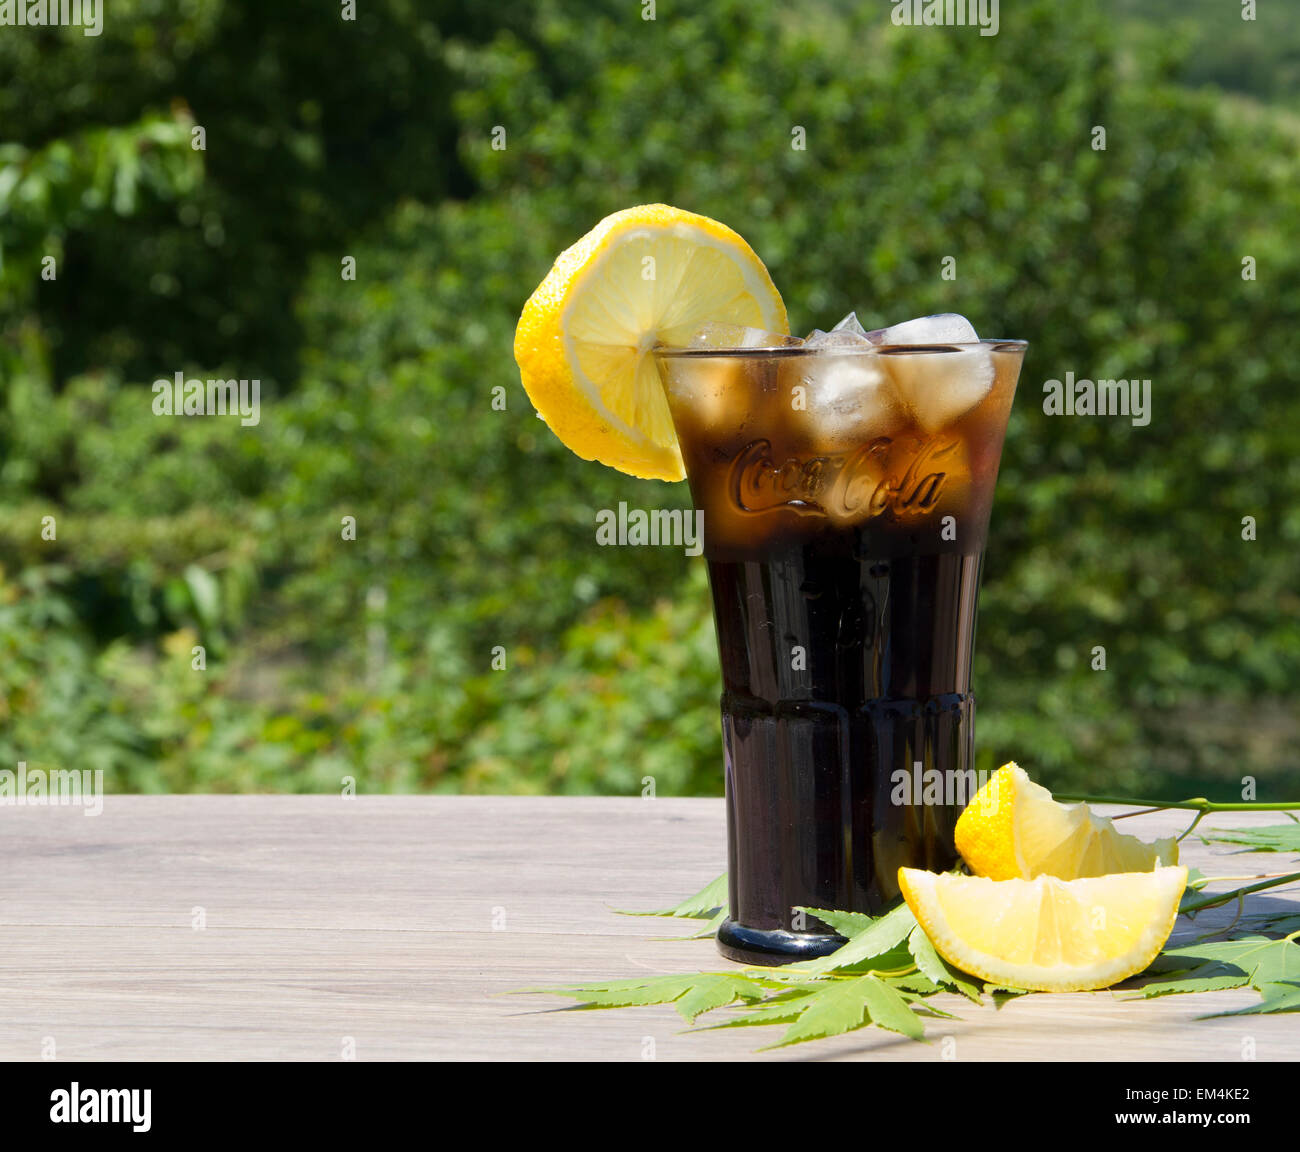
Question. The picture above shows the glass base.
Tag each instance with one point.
(769, 948)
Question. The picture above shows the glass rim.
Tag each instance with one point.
(670, 352)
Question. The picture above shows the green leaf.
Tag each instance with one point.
(691, 995)
(936, 967)
(713, 992)
(889, 1010)
(1261, 960)
(847, 924)
(1271, 838)
(1277, 923)
(845, 1005)
(917, 982)
(782, 1009)
(1279, 997)
(872, 943)
(704, 905)
(897, 960)
(1213, 977)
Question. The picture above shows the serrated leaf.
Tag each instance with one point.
(847, 924)
(917, 982)
(889, 1010)
(898, 957)
(1271, 838)
(715, 992)
(936, 967)
(845, 1005)
(1164, 963)
(1280, 997)
(783, 1009)
(703, 905)
(615, 993)
(1261, 960)
(776, 977)
(1213, 977)
(883, 935)
(691, 995)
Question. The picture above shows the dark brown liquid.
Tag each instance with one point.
(842, 672)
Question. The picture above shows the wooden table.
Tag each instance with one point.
(315, 927)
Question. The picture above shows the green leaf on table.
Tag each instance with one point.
(881, 937)
(1277, 923)
(782, 1009)
(917, 982)
(704, 995)
(1260, 960)
(704, 905)
(887, 968)
(936, 968)
(1211, 977)
(847, 924)
(1271, 838)
(691, 995)
(1280, 997)
(844, 1005)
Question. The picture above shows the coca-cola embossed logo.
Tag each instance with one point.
(860, 484)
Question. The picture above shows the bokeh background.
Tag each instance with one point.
(373, 139)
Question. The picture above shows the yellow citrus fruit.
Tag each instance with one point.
(646, 275)
(1047, 935)
(1013, 829)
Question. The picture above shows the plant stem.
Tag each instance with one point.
(1251, 876)
(1223, 897)
(1196, 804)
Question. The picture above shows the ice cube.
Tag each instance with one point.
(941, 328)
(939, 385)
(846, 334)
(844, 399)
(833, 339)
(717, 335)
(850, 323)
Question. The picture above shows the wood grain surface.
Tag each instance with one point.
(390, 928)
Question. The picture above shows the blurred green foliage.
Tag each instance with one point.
(329, 657)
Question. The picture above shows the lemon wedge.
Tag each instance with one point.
(1013, 829)
(1047, 935)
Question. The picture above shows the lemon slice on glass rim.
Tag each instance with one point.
(645, 275)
